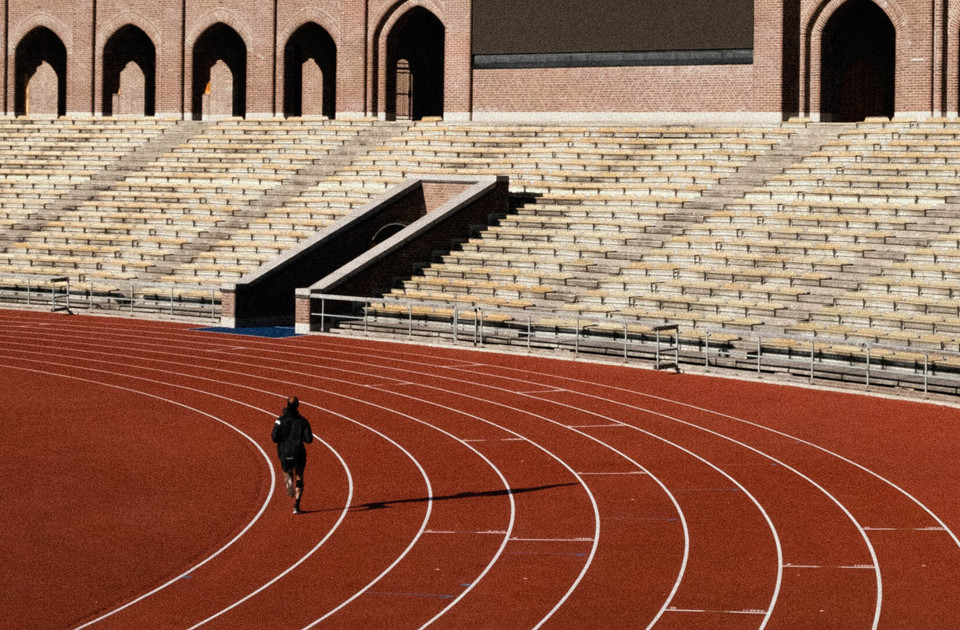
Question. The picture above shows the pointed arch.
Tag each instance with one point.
(310, 48)
(414, 44)
(858, 63)
(220, 47)
(815, 20)
(40, 74)
(129, 52)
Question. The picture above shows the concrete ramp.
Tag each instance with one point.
(367, 252)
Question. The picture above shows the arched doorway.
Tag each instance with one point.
(129, 73)
(40, 68)
(310, 73)
(219, 73)
(414, 79)
(858, 63)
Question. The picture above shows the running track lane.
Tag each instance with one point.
(486, 357)
(521, 489)
(558, 520)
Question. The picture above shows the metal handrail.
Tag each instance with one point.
(45, 289)
(876, 364)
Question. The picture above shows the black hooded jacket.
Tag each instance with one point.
(290, 432)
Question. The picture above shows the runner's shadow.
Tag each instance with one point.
(382, 505)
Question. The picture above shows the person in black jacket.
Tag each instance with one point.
(290, 432)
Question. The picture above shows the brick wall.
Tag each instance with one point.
(436, 194)
(927, 58)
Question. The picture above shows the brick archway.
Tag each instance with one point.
(377, 66)
(40, 67)
(858, 64)
(128, 49)
(815, 21)
(219, 44)
(415, 40)
(310, 47)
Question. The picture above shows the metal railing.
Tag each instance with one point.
(61, 293)
(663, 344)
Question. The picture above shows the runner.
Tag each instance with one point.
(290, 432)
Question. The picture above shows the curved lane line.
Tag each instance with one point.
(564, 464)
(429, 488)
(179, 404)
(593, 501)
(343, 514)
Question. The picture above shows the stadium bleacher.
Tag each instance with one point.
(840, 233)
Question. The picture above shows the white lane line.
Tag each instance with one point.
(488, 533)
(273, 480)
(686, 535)
(336, 526)
(429, 488)
(724, 612)
(552, 540)
(634, 472)
(868, 567)
(593, 551)
(386, 386)
(905, 529)
(542, 391)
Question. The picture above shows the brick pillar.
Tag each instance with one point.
(80, 58)
(303, 302)
(457, 73)
(352, 61)
(228, 307)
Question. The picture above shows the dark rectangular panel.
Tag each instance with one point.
(507, 27)
(614, 59)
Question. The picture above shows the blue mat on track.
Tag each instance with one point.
(275, 332)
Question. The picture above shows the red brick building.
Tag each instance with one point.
(537, 60)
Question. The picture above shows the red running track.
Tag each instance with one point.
(454, 489)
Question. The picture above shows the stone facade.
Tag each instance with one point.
(783, 79)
